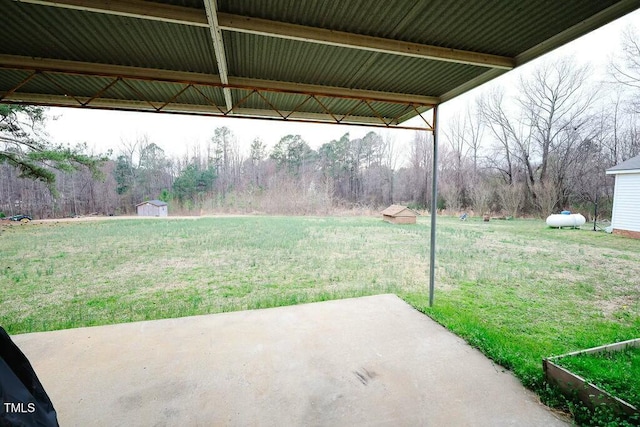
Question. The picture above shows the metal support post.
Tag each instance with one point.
(434, 207)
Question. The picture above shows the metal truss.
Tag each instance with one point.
(311, 106)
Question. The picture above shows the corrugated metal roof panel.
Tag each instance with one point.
(269, 58)
(371, 17)
(286, 102)
(193, 4)
(90, 86)
(61, 84)
(206, 95)
(96, 40)
(508, 30)
(400, 74)
(143, 90)
(501, 28)
(41, 85)
(10, 78)
(289, 60)
(93, 37)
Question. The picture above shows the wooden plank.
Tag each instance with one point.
(573, 384)
(609, 347)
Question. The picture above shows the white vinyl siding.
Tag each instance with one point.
(626, 202)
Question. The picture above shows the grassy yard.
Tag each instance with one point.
(515, 289)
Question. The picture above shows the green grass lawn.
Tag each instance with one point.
(515, 289)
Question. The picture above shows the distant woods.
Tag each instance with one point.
(289, 177)
(33, 171)
(543, 148)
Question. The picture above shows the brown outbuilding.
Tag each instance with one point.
(398, 214)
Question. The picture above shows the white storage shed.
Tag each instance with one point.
(152, 208)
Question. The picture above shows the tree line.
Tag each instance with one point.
(543, 148)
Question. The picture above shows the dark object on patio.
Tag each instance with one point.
(23, 400)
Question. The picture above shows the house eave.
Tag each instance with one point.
(623, 172)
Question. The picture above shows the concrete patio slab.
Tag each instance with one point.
(363, 361)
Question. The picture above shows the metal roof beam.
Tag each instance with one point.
(105, 70)
(288, 31)
(133, 9)
(218, 47)
(151, 74)
(333, 91)
(238, 23)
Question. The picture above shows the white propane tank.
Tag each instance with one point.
(571, 220)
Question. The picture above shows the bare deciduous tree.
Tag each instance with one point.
(625, 69)
(494, 115)
(511, 197)
(540, 137)
(548, 197)
(481, 194)
(420, 164)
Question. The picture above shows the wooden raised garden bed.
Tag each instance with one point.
(572, 384)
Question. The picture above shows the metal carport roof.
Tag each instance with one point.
(371, 62)
(367, 62)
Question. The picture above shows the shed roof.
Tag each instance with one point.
(395, 210)
(361, 61)
(630, 165)
(157, 203)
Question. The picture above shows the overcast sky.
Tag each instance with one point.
(103, 130)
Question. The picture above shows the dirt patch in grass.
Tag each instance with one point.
(617, 308)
